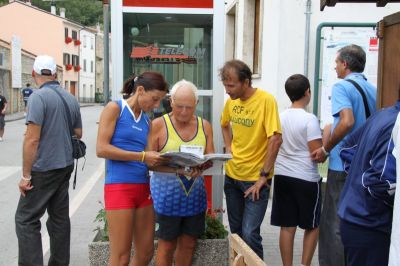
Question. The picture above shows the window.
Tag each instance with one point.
(91, 66)
(66, 32)
(66, 85)
(84, 65)
(66, 59)
(84, 41)
(1, 59)
(91, 43)
(74, 35)
(75, 60)
(252, 38)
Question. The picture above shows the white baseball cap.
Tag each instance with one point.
(45, 65)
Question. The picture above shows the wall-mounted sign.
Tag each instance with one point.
(334, 39)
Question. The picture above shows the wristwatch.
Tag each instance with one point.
(263, 173)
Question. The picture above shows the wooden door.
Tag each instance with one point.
(72, 88)
(389, 60)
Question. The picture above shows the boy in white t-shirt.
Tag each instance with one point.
(297, 193)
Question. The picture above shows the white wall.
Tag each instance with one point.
(283, 33)
(87, 78)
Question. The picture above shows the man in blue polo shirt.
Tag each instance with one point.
(353, 99)
(366, 204)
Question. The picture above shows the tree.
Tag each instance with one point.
(85, 12)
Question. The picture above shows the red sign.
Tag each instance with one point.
(373, 44)
(169, 3)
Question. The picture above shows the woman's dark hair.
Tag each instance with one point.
(296, 87)
(242, 70)
(150, 80)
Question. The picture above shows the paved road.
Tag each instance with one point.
(83, 200)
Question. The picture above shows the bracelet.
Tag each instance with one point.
(26, 179)
(324, 151)
(143, 155)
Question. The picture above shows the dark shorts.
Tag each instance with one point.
(171, 227)
(2, 121)
(296, 202)
(127, 196)
(25, 102)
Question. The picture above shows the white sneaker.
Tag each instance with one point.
(24, 114)
(1, 139)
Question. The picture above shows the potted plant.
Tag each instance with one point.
(212, 247)
(68, 40)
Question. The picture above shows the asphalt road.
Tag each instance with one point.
(84, 200)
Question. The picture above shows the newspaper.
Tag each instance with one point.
(186, 159)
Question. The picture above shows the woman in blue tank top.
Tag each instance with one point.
(122, 140)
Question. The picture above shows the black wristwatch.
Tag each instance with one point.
(263, 173)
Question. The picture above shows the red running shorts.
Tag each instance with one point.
(127, 196)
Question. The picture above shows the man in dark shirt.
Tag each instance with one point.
(366, 204)
(3, 108)
(26, 93)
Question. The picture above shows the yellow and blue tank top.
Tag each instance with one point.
(130, 134)
(177, 195)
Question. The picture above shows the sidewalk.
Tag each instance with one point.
(270, 235)
(20, 115)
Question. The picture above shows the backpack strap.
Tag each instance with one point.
(364, 97)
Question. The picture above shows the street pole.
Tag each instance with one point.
(106, 87)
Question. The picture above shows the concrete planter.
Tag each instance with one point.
(209, 252)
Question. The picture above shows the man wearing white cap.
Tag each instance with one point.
(47, 167)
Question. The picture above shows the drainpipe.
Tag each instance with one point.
(106, 82)
(307, 37)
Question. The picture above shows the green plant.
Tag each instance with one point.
(101, 218)
(214, 227)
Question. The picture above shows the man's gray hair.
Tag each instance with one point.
(354, 56)
(186, 84)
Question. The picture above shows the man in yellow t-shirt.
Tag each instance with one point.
(252, 133)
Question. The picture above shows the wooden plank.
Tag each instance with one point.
(389, 62)
(241, 248)
(239, 260)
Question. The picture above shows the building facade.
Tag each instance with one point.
(13, 95)
(276, 43)
(42, 32)
(87, 74)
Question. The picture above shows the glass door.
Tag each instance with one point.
(177, 45)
